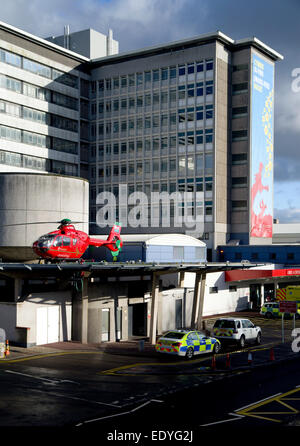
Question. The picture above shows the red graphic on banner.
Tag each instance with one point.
(261, 225)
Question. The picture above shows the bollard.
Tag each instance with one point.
(213, 363)
(227, 363)
(7, 352)
(249, 358)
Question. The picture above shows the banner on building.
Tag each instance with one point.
(262, 129)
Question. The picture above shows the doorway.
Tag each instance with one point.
(137, 319)
(47, 325)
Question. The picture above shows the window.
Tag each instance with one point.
(290, 256)
(239, 135)
(209, 111)
(239, 182)
(66, 241)
(181, 70)
(191, 68)
(58, 241)
(199, 88)
(208, 135)
(272, 256)
(239, 205)
(213, 289)
(209, 87)
(164, 74)
(238, 112)
(239, 158)
(240, 88)
(199, 136)
(199, 67)
(232, 288)
(240, 67)
(209, 65)
(178, 252)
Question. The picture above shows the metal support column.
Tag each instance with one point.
(84, 311)
(17, 288)
(201, 302)
(196, 301)
(154, 307)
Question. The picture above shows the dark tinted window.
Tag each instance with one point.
(66, 241)
(174, 335)
(224, 324)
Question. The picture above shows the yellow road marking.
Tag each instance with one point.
(251, 412)
(46, 355)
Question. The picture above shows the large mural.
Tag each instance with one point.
(262, 106)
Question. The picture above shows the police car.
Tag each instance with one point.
(187, 343)
(271, 309)
(236, 330)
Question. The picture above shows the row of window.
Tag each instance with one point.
(189, 166)
(36, 163)
(38, 116)
(33, 91)
(154, 122)
(165, 144)
(272, 256)
(133, 103)
(38, 68)
(187, 209)
(156, 75)
(35, 139)
(189, 185)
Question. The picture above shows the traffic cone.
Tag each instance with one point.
(272, 356)
(249, 358)
(7, 352)
(227, 363)
(213, 363)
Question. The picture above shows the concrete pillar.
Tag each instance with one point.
(181, 279)
(154, 307)
(201, 302)
(17, 289)
(262, 294)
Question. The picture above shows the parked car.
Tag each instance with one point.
(236, 330)
(187, 343)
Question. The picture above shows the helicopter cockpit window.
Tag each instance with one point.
(66, 241)
(58, 241)
(74, 241)
(45, 241)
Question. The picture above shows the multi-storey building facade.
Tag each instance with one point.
(181, 117)
(192, 117)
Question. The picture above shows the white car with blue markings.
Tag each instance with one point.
(187, 343)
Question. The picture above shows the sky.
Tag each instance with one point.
(140, 23)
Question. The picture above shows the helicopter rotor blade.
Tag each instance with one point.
(40, 223)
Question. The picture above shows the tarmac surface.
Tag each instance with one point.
(273, 349)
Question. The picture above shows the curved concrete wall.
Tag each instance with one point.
(30, 198)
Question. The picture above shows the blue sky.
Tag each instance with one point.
(140, 23)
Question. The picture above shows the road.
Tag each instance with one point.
(84, 389)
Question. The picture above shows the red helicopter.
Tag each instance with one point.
(69, 243)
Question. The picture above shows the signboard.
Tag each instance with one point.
(261, 181)
(287, 307)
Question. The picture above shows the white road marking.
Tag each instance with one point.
(119, 414)
(237, 417)
(256, 402)
(85, 400)
(52, 381)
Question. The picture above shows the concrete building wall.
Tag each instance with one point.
(19, 319)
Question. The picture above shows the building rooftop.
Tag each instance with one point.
(189, 42)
